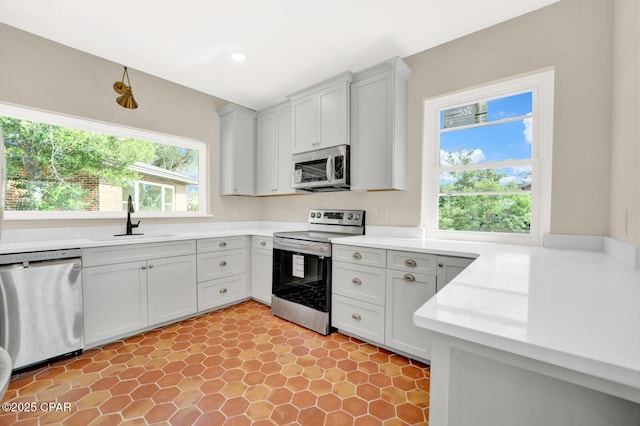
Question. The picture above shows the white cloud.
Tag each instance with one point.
(528, 129)
(477, 156)
(508, 179)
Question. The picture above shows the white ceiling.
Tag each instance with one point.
(289, 44)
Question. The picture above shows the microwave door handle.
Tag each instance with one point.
(329, 168)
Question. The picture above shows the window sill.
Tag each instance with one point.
(11, 216)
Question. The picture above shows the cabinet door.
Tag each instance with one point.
(115, 301)
(333, 116)
(172, 288)
(372, 133)
(244, 156)
(261, 275)
(449, 267)
(304, 117)
(284, 166)
(406, 292)
(266, 156)
(237, 151)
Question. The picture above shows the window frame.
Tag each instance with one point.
(115, 130)
(541, 84)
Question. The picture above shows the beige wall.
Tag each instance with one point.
(624, 212)
(38, 73)
(573, 36)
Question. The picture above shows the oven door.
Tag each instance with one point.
(302, 273)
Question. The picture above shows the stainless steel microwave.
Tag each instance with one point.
(322, 170)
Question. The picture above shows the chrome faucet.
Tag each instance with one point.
(130, 210)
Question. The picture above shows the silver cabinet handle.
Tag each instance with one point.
(223, 290)
(263, 243)
(356, 281)
(356, 317)
(410, 262)
(144, 267)
(357, 255)
(150, 266)
(440, 265)
(223, 263)
(409, 277)
(223, 243)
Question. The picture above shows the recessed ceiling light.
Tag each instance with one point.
(239, 57)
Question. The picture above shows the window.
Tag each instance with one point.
(487, 161)
(59, 166)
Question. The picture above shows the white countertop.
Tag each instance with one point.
(575, 309)
(88, 237)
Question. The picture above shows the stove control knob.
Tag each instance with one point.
(313, 214)
(357, 216)
(350, 216)
(318, 215)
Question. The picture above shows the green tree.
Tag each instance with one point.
(174, 158)
(478, 212)
(45, 160)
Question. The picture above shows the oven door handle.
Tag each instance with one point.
(314, 249)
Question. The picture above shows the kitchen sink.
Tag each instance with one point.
(118, 237)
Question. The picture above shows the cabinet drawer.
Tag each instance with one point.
(215, 293)
(109, 255)
(265, 243)
(364, 283)
(221, 264)
(419, 263)
(364, 320)
(360, 255)
(223, 243)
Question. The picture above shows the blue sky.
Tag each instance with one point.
(498, 142)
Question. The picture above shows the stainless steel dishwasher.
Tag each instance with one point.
(41, 305)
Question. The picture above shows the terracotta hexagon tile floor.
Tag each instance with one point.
(236, 366)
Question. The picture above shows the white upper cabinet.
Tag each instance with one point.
(237, 150)
(379, 126)
(273, 160)
(320, 114)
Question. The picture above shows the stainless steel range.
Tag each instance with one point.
(301, 290)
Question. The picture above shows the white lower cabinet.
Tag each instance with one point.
(406, 292)
(362, 319)
(376, 291)
(449, 267)
(114, 301)
(123, 297)
(220, 292)
(261, 268)
(168, 296)
(223, 266)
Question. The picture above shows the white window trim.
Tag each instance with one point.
(136, 192)
(542, 86)
(116, 130)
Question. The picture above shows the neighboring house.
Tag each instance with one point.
(156, 190)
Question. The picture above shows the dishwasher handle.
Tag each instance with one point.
(76, 261)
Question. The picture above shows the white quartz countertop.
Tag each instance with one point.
(107, 239)
(574, 309)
